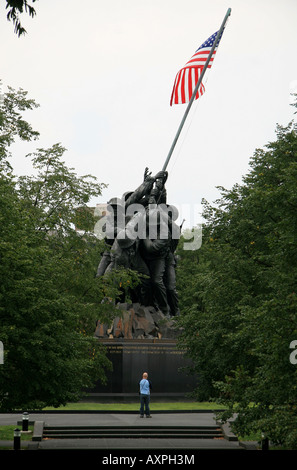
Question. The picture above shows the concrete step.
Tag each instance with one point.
(87, 432)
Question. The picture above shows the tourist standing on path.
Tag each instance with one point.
(145, 387)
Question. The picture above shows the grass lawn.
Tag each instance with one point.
(184, 406)
(7, 432)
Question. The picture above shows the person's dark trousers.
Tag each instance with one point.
(144, 404)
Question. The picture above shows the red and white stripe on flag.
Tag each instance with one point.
(185, 82)
(187, 78)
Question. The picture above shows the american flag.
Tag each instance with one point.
(187, 78)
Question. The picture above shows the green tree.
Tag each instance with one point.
(17, 7)
(12, 123)
(239, 329)
(50, 298)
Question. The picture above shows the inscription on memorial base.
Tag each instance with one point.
(143, 339)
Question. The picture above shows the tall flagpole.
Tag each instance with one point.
(196, 89)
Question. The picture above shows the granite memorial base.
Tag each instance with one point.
(139, 340)
(130, 358)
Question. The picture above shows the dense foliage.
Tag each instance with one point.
(239, 299)
(50, 298)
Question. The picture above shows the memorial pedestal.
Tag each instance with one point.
(141, 339)
(130, 358)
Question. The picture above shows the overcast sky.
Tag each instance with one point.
(103, 72)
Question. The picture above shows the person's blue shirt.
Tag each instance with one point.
(144, 387)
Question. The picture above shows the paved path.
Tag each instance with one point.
(113, 418)
(129, 419)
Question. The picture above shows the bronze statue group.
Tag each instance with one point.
(141, 234)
